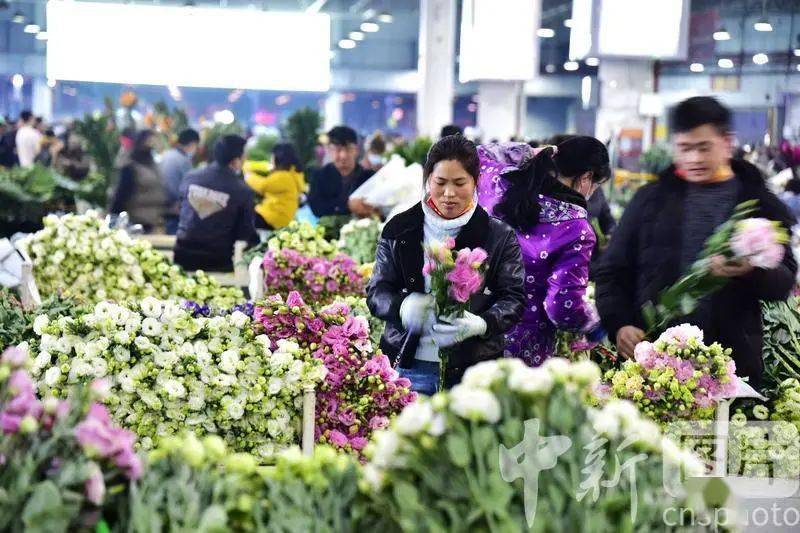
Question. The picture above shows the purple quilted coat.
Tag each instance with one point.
(555, 253)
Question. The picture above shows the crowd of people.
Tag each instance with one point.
(537, 210)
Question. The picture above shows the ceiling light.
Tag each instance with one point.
(51, 83)
(385, 17)
(224, 117)
(369, 27)
(722, 35)
(347, 44)
(797, 67)
(41, 36)
(17, 81)
(762, 25)
(592, 61)
(696, 67)
(546, 33)
(18, 18)
(32, 28)
(725, 63)
(356, 36)
(571, 66)
(568, 23)
(550, 68)
(761, 59)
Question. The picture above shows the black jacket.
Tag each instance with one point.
(398, 272)
(216, 211)
(643, 258)
(329, 190)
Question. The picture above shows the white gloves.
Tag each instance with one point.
(416, 311)
(461, 329)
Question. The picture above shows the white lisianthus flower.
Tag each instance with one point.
(474, 404)
(605, 423)
(39, 323)
(530, 380)
(558, 367)
(386, 444)
(41, 362)
(52, 375)
(414, 418)
(482, 375)
(236, 411)
(174, 389)
(438, 425)
(151, 327)
(228, 361)
(264, 341)
(274, 385)
(165, 359)
(374, 477)
(239, 319)
(151, 307)
(585, 372)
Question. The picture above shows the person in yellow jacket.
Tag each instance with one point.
(280, 189)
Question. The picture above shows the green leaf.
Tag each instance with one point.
(458, 448)
(45, 510)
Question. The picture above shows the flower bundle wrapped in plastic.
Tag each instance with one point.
(468, 459)
(361, 391)
(170, 372)
(82, 256)
(359, 239)
(304, 238)
(318, 279)
(677, 377)
(58, 456)
(767, 443)
(758, 241)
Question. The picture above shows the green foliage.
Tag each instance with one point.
(102, 141)
(416, 151)
(656, 159)
(302, 128)
(262, 149)
(781, 341)
(16, 324)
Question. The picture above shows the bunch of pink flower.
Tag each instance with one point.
(678, 376)
(319, 279)
(34, 449)
(465, 278)
(99, 438)
(760, 241)
(361, 391)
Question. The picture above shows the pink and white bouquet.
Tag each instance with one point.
(319, 279)
(455, 277)
(676, 377)
(58, 456)
(361, 391)
(758, 241)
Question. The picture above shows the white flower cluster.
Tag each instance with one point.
(359, 239)
(82, 256)
(170, 372)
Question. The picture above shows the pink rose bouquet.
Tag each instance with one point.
(454, 279)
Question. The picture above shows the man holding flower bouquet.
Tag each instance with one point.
(448, 278)
(670, 229)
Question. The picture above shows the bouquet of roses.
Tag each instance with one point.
(361, 391)
(455, 277)
(80, 255)
(170, 371)
(678, 376)
(756, 240)
(359, 239)
(58, 456)
(319, 279)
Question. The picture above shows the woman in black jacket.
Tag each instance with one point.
(398, 292)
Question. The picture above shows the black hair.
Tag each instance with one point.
(699, 111)
(377, 145)
(793, 186)
(342, 136)
(570, 159)
(453, 148)
(559, 138)
(26, 116)
(451, 129)
(228, 148)
(141, 152)
(188, 136)
(286, 157)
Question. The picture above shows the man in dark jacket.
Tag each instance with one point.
(330, 186)
(663, 231)
(216, 211)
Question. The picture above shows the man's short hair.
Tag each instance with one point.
(228, 148)
(451, 129)
(26, 116)
(342, 136)
(699, 111)
(188, 136)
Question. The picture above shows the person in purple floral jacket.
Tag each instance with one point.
(542, 194)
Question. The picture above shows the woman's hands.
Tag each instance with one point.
(415, 311)
(459, 330)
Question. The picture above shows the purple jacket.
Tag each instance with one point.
(555, 253)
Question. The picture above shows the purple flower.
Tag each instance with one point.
(337, 438)
(95, 486)
(378, 422)
(14, 356)
(685, 371)
(347, 417)
(20, 382)
(358, 443)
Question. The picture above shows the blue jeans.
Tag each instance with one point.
(424, 377)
